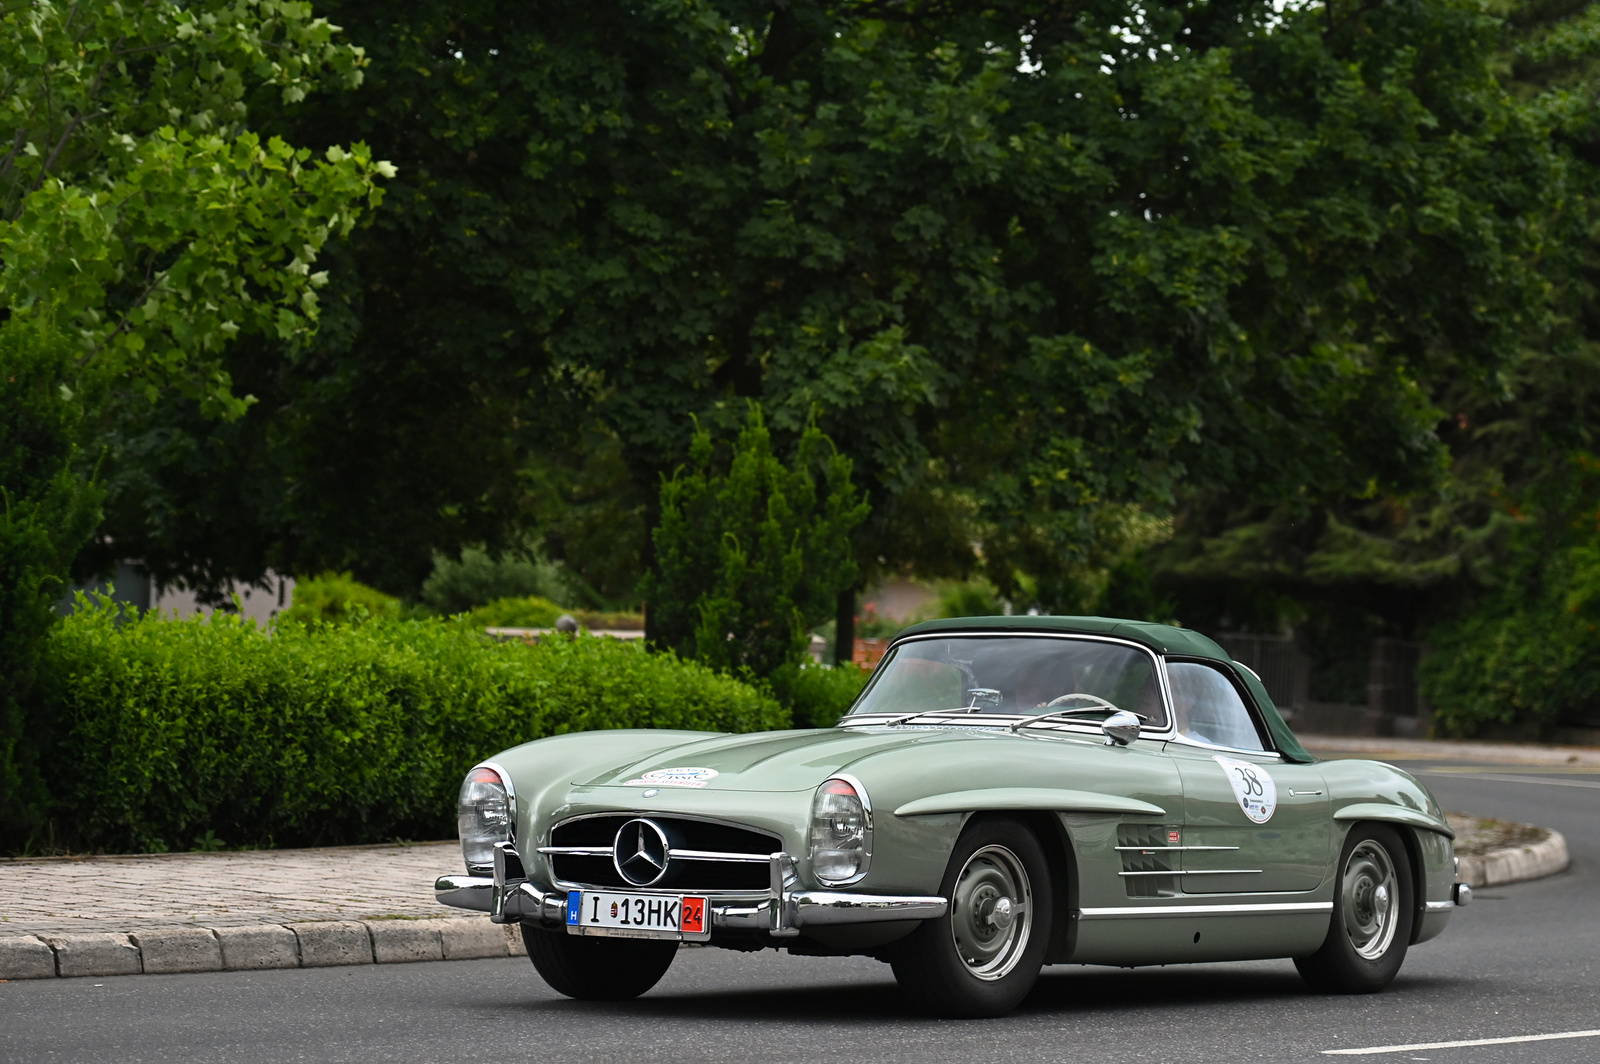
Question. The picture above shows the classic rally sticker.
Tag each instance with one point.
(674, 777)
(1252, 786)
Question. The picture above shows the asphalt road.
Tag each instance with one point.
(1523, 960)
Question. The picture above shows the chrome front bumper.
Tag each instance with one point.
(508, 897)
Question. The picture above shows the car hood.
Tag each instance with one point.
(765, 761)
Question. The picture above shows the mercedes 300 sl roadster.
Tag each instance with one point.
(1007, 792)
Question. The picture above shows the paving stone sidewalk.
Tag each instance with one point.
(73, 895)
(122, 915)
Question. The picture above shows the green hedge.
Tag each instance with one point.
(185, 733)
(817, 695)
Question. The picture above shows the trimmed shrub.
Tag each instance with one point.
(478, 578)
(817, 695)
(320, 735)
(529, 612)
(535, 612)
(338, 598)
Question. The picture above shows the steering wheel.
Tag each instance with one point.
(1095, 702)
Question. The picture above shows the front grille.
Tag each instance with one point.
(683, 874)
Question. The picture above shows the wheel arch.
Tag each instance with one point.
(1063, 864)
(1413, 846)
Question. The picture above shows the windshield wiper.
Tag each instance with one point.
(926, 713)
(1104, 708)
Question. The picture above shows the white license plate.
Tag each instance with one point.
(677, 916)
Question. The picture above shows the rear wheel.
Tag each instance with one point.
(597, 969)
(1373, 911)
(982, 957)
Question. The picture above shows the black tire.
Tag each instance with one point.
(966, 964)
(1374, 907)
(597, 969)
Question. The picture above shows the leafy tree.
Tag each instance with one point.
(48, 509)
(750, 554)
(138, 208)
(1029, 264)
(1481, 558)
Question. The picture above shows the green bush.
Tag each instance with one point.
(319, 734)
(529, 612)
(338, 598)
(478, 578)
(1524, 659)
(817, 695)
(536, 612)
(48, 511)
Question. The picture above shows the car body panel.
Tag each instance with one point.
(1123, 821)
(1288, 852)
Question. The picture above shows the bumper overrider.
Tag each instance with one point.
(510, 897)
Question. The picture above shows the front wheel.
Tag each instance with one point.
(982, 957)
(1372, 916)
(597, 969)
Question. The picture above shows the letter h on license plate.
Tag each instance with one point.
(671, 916)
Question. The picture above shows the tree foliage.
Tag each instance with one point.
(136, 205)
(751, 554)
(49, 507)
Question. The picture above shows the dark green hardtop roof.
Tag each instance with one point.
(1162, 638)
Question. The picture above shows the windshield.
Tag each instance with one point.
(1012, 674)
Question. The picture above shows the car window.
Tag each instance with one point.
(1013, 674)
(1208, 708)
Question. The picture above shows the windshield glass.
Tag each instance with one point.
(1012, 674)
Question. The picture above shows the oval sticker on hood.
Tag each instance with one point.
(1253, 786)
(673, 777)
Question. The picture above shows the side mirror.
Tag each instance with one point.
(1120, 728)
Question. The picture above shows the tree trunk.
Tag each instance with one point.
(844, 627)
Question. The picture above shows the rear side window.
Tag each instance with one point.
(1208, 707)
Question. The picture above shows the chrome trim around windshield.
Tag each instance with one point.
(1164, 733)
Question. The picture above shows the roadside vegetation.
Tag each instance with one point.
(315, 734)
(1252, 317)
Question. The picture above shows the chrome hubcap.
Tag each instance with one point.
(1369, 892)
(991, 912)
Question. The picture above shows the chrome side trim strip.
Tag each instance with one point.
(1197, 872)
(1273, 909)
(1439, 906)
(1153, 849)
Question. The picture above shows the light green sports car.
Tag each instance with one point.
(1008, 792)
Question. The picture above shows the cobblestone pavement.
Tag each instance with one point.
(71, 895)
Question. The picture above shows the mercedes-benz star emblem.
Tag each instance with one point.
(640, 852)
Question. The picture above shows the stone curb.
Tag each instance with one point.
(312, 944)
(1514, 864)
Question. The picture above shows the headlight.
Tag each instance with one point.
(485, 815)
(841, 831)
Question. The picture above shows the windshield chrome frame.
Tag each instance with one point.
(956, 717)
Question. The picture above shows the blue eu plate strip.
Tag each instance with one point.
(574, 901)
